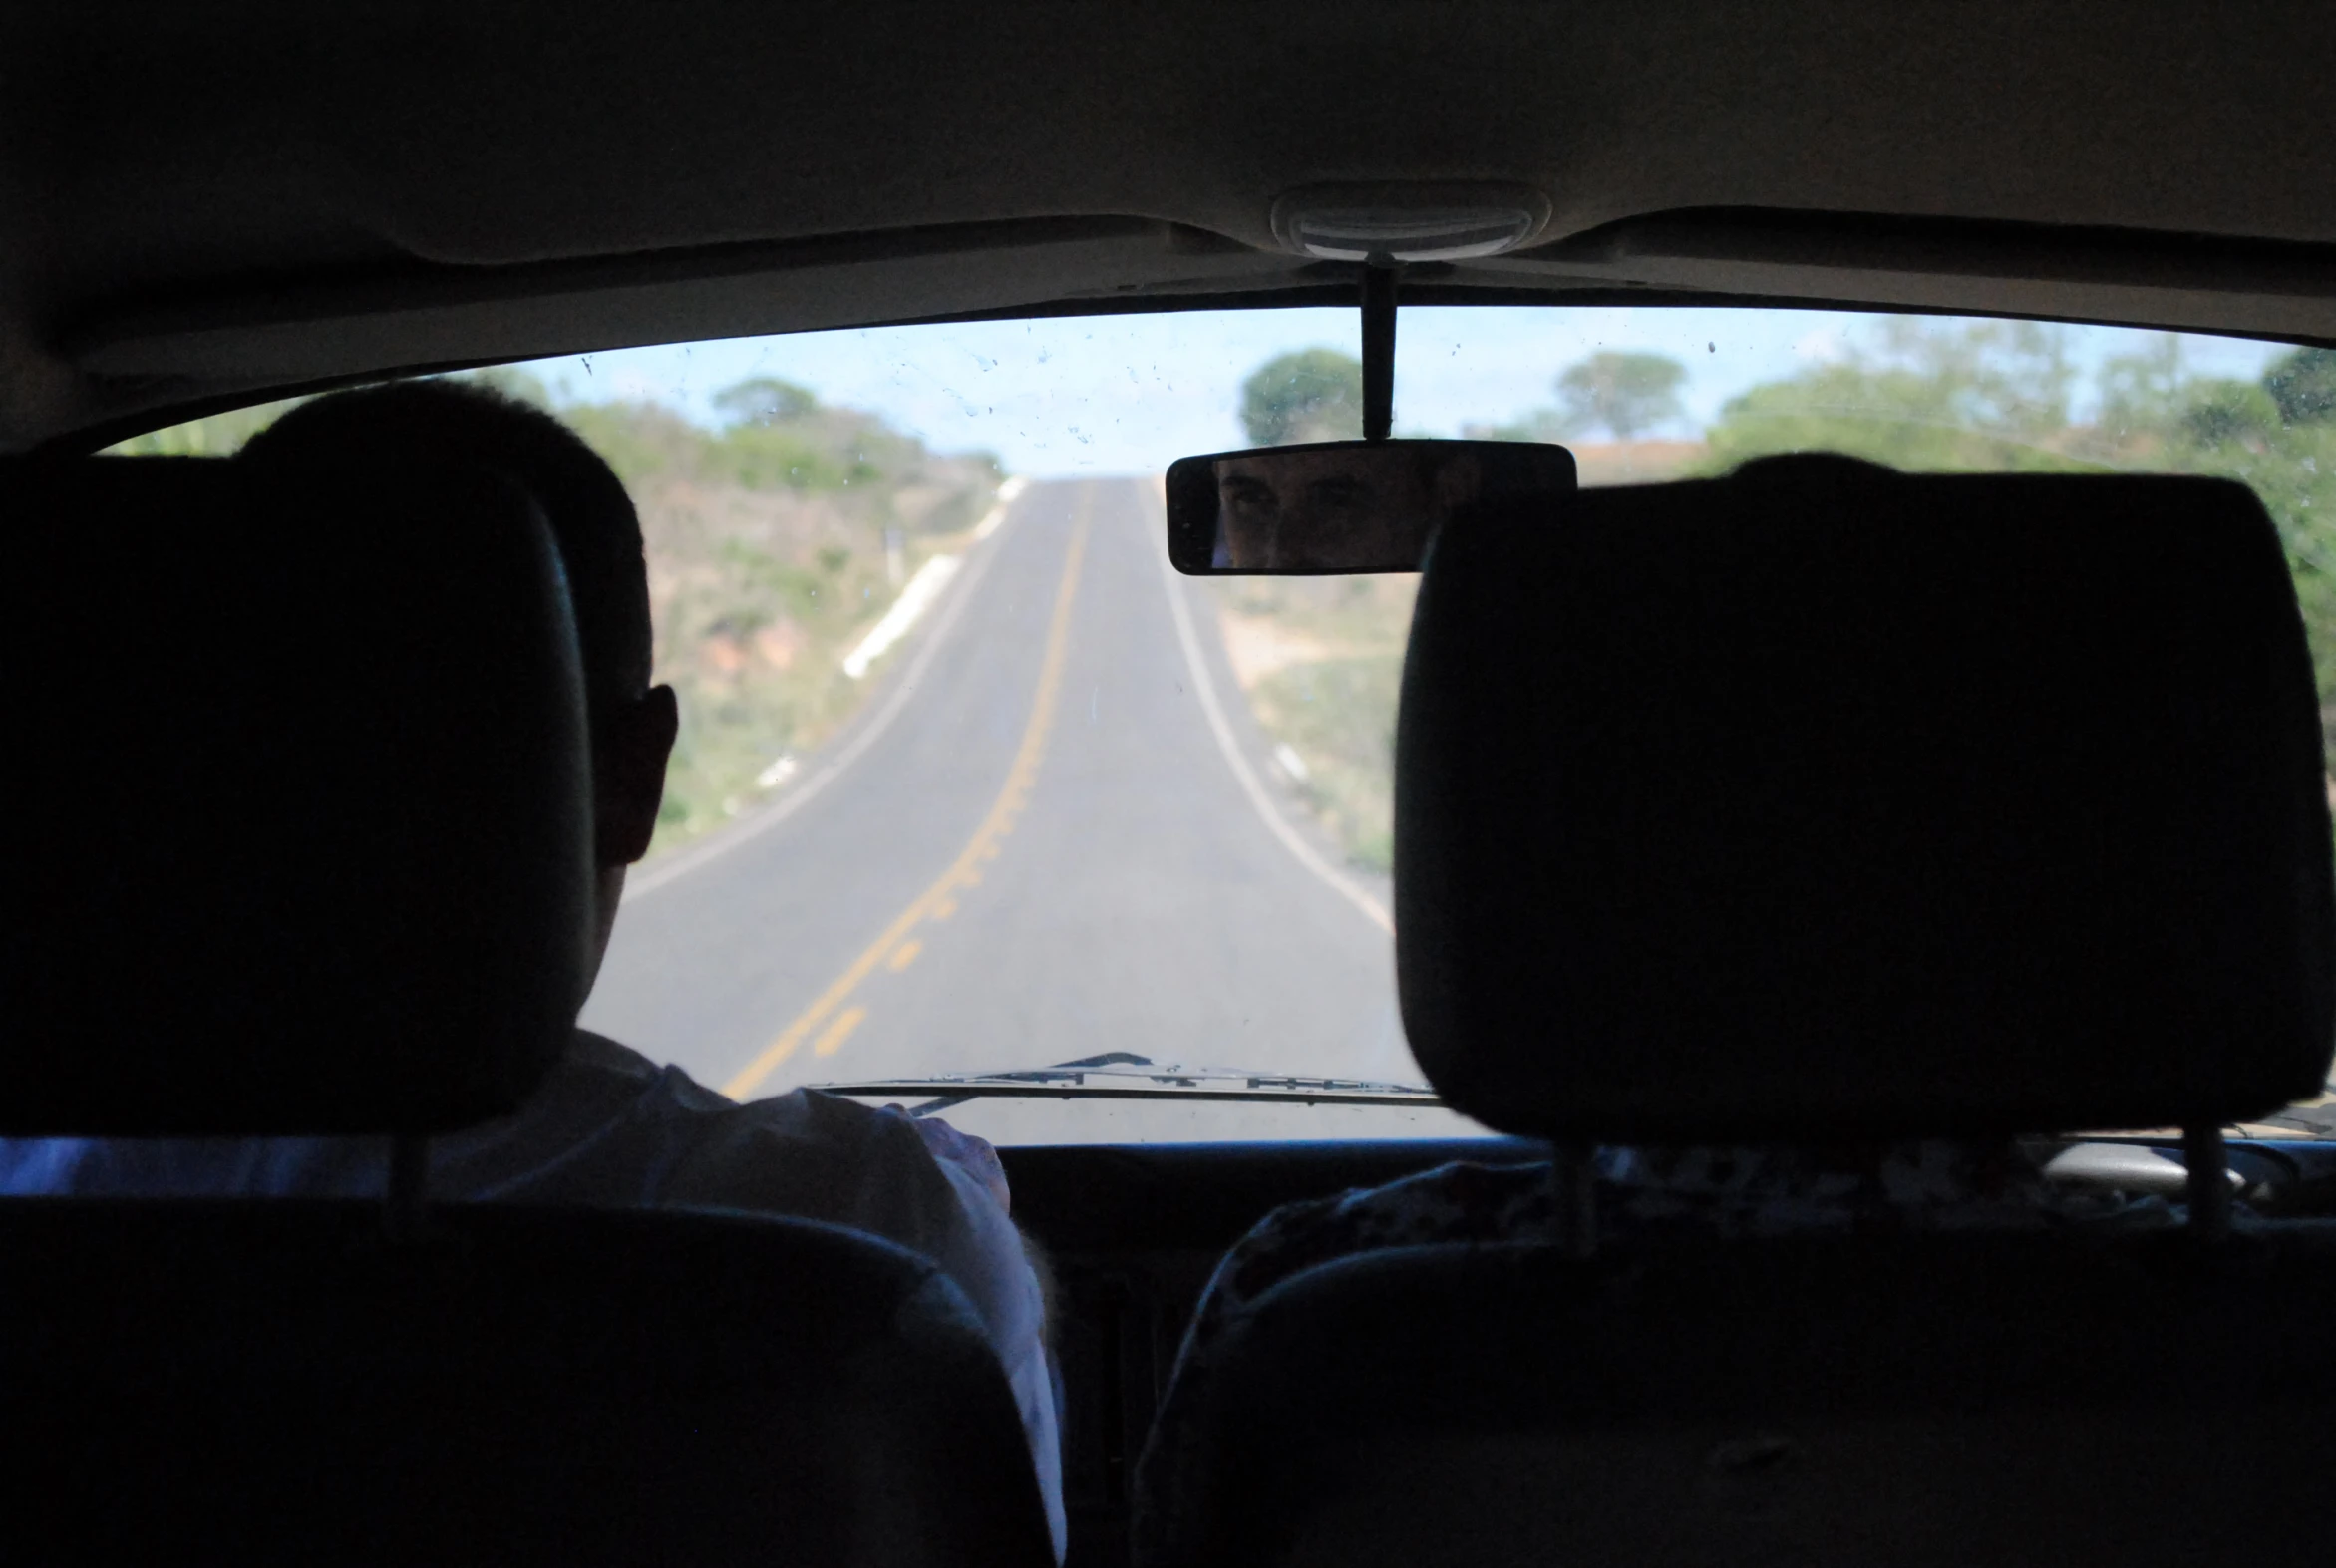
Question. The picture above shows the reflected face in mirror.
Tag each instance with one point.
(1344, 506)
(1285, 511)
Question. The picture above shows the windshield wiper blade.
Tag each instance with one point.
(1122, 1075)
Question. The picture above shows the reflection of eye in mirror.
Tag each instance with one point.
(1240, 491)
(1342, 506)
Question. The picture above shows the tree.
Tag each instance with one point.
(1622, 393)
(1964, 396)
(2142, 390)
(2220, 412)
(1311, 395)
(764, 400)
(2303, 385)
(1920, 393)
(2005, 379)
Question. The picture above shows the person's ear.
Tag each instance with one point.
(629, 774)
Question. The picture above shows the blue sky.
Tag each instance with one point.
(1126, 394)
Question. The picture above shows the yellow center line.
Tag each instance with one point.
(833, 1036)
(939, 901)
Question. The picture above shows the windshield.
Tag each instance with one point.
(970, 782)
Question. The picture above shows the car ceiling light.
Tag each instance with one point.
(1409, 224)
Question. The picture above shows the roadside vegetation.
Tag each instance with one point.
(775, 543)
(775, 539)
(1320, 659)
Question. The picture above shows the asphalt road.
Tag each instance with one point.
(1033, 846)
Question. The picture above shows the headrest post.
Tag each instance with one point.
(2208, 1166)
(408, 1190)
(1574, 1206)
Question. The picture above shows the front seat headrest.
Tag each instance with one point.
(1826, 803)
(303, 799)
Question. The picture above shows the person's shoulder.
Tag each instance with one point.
(665, 1091)
(804, 1152)
(608, 1123)
(598, 1057)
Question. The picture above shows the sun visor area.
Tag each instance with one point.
(2068, 272)
(435, 314)
(423, 314)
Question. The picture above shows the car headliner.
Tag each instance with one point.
(203, 203)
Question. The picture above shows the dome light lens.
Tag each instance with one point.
(1396, 223)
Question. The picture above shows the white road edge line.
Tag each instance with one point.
(915, 600)
(1008, 494)
(1204, 687)
(681, 862)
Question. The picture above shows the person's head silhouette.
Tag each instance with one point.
(632, 723)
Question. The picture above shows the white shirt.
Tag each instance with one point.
(611, 1129)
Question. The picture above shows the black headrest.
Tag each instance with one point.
(1823, 801)
(301, 797)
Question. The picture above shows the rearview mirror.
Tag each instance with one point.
(1342, 505)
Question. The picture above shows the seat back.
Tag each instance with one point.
(1924, 1400)
(1827, 806)
(316, 801)
(1826, 803)
(274, 1382)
